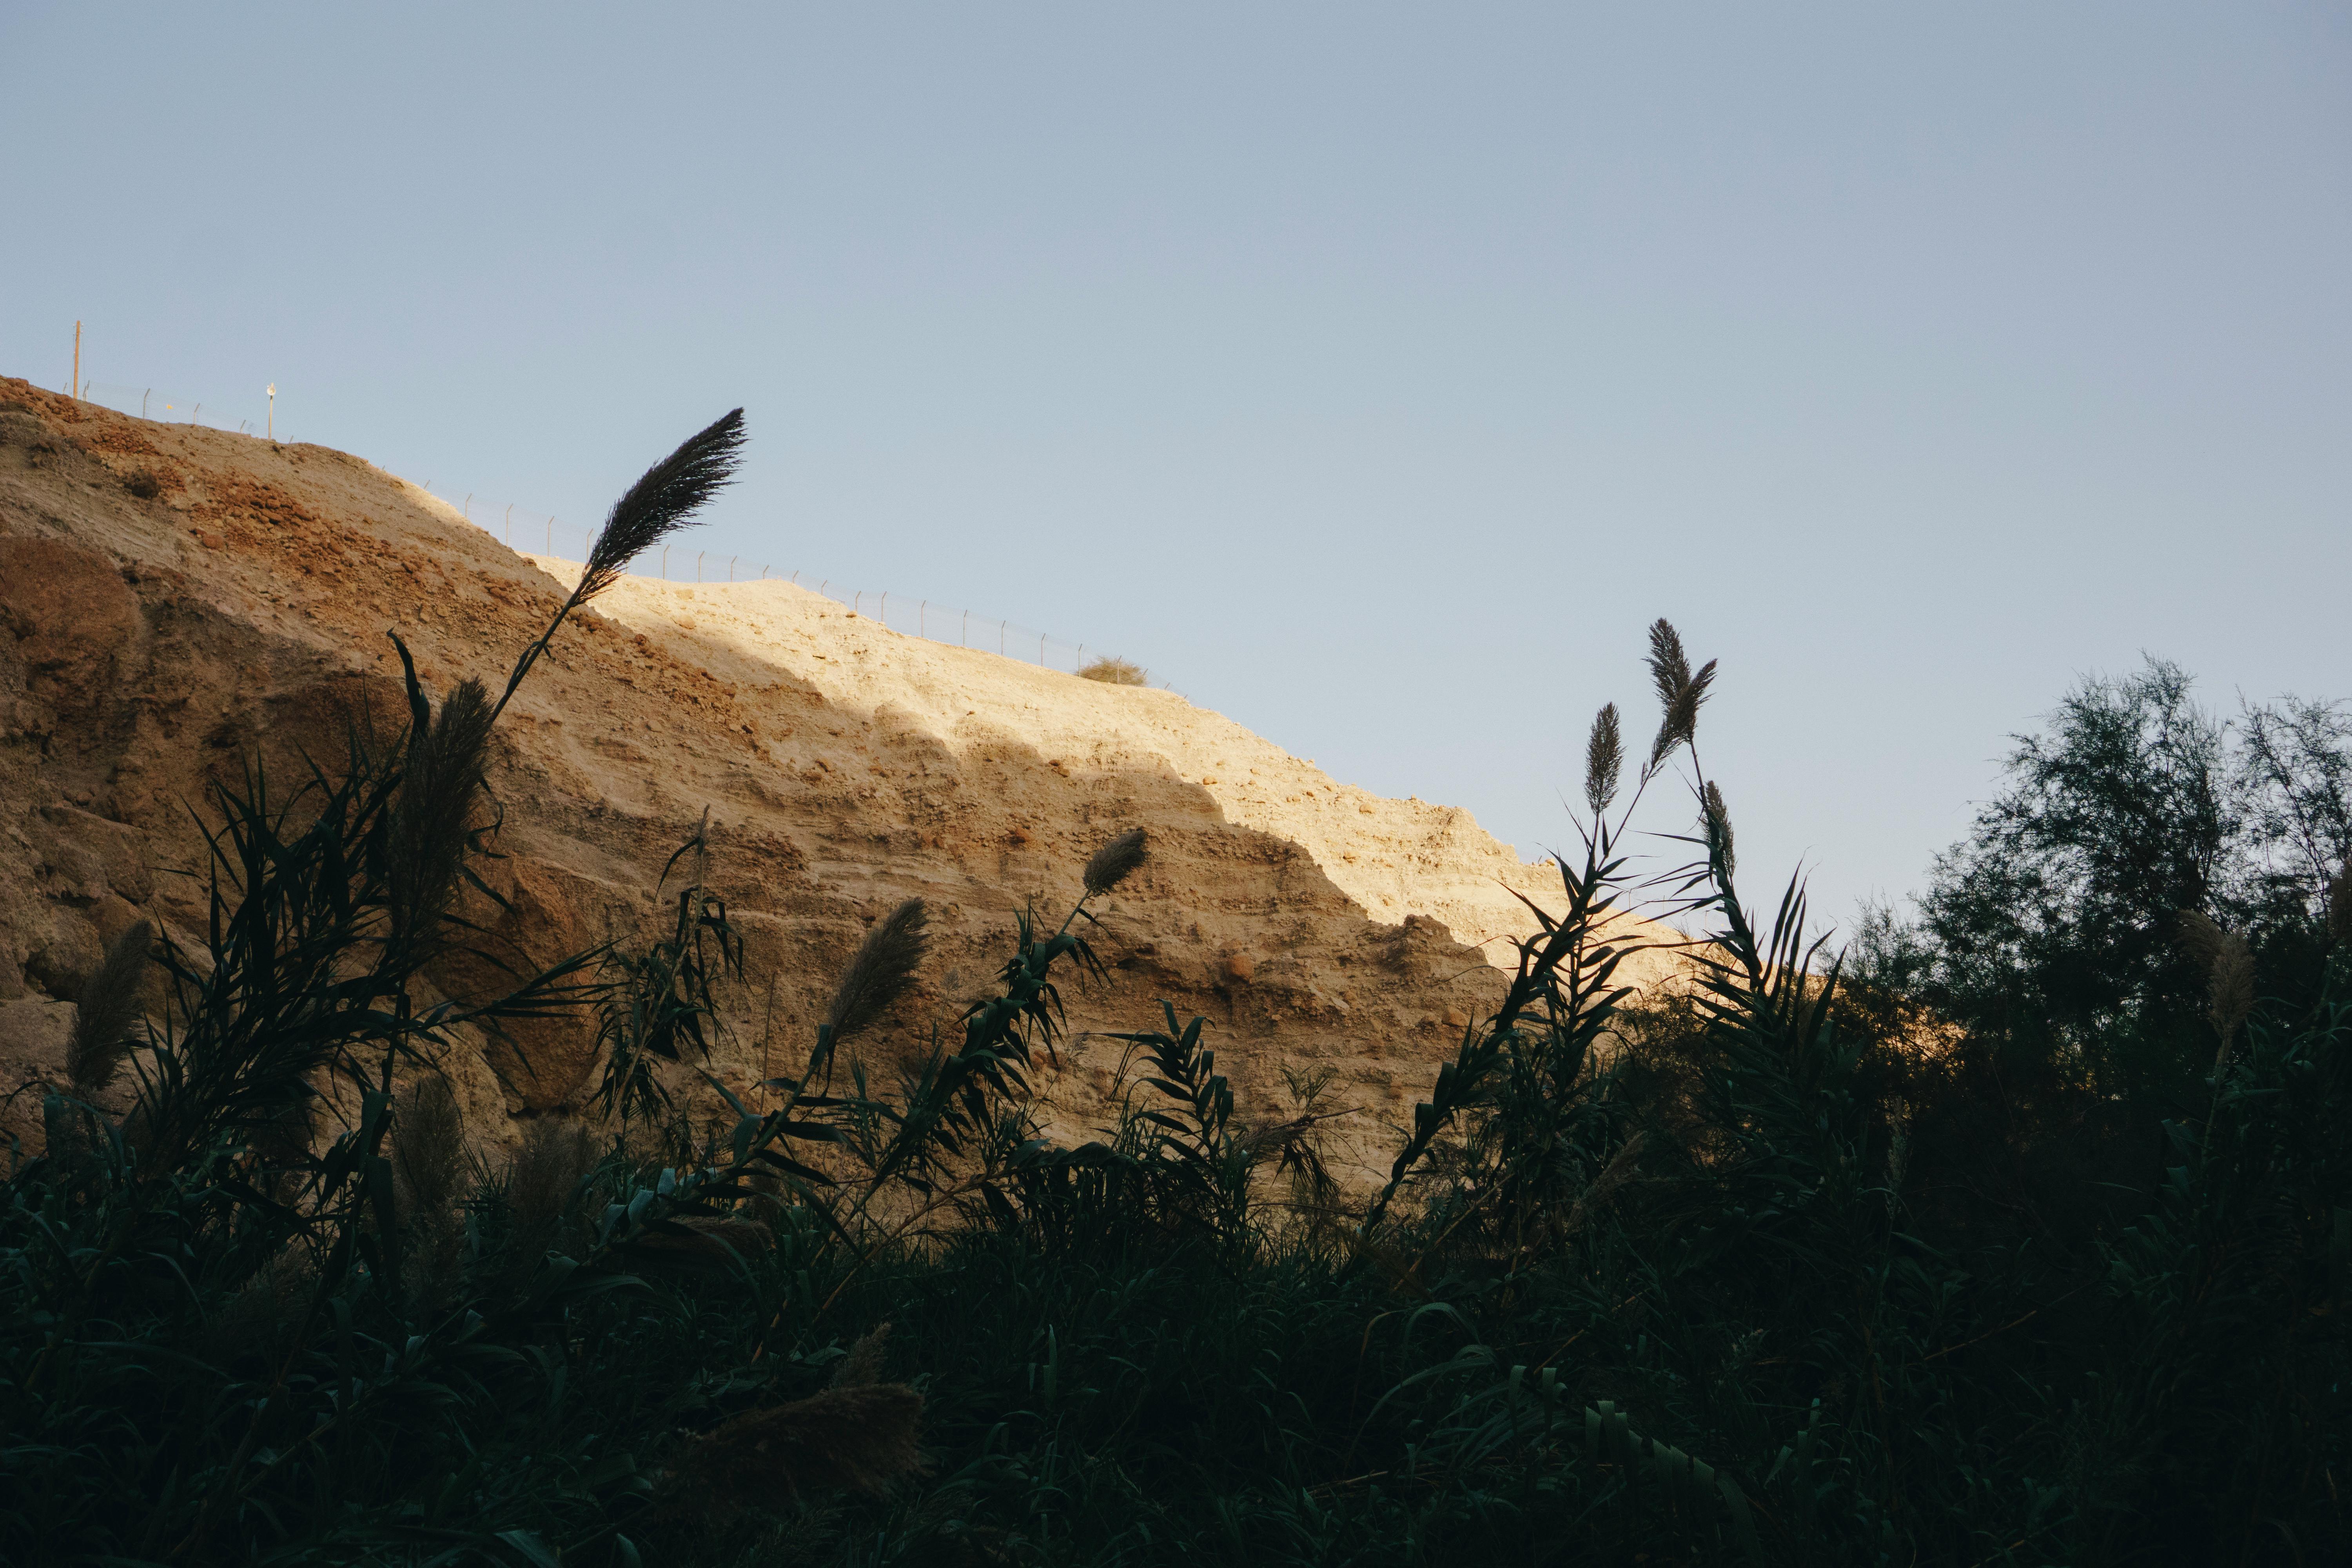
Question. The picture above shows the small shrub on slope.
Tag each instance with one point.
(1115, 672)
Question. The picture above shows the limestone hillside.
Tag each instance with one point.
(176, 601)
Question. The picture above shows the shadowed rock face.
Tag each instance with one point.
(177, 605)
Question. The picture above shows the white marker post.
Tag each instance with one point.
(273, 411)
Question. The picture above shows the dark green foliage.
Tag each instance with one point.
(108, 1011)
(657, 1004)
(2055, 921)
(2055, 924)
(1737, 1273)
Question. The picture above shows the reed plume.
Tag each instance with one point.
(428, 1149)
(1718, 828)
(709, 1243)
(1604, 1186)
(863, 1364)
(1669, 665)
(2199, 939)
(1680, 693)
(1604, 758)
(544, 1180)
(660, 503)
(2229, 967)
(432, 820)
(859, 1438)
(428, 1157)
(107, 1011)
(1116, 862)
(881, 970)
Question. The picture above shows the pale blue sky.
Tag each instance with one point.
(1374, 373)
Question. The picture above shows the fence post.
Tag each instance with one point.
(1082, 655)
(923, 620)
(698, 566)
(465, 511)
(1000, 636)
(1041, 649)
(142, 401)
(664, 563)
(731, 567)
(885, 616)
(966, 638)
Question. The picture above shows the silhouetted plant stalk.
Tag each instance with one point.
(663, 500)
(1563, 994)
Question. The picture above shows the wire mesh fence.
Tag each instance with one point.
(251, 417)
(540, 533)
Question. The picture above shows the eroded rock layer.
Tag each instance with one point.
(176, 601)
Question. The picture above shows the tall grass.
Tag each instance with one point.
(1755, 1269)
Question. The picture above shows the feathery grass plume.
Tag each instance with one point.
(1669, 665)
(428, 1158)
(106, 1011)
(706, 1243)
(283, 1130)
(884, 966)
(859, 1438)
(2199, 939)
(543, 1181)
(863, 1365)
(659, 503)
(2228, 966)
(1116, 672)
(1718, 828)
(657, 506)
(432, 817)
(1680, 692)
(428, 1148)
(257, 1321)
(1685, 713)
(1604, 758)
(1613, 1175)
(1116, 862)
(2230, 995)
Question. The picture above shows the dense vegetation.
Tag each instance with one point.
(2021, 1237)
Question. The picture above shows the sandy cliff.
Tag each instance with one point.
(173, 600)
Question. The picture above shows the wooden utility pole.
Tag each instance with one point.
(74, 391)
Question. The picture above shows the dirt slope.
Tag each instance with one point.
(173, 600)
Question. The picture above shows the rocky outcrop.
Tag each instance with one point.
(178, 605)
